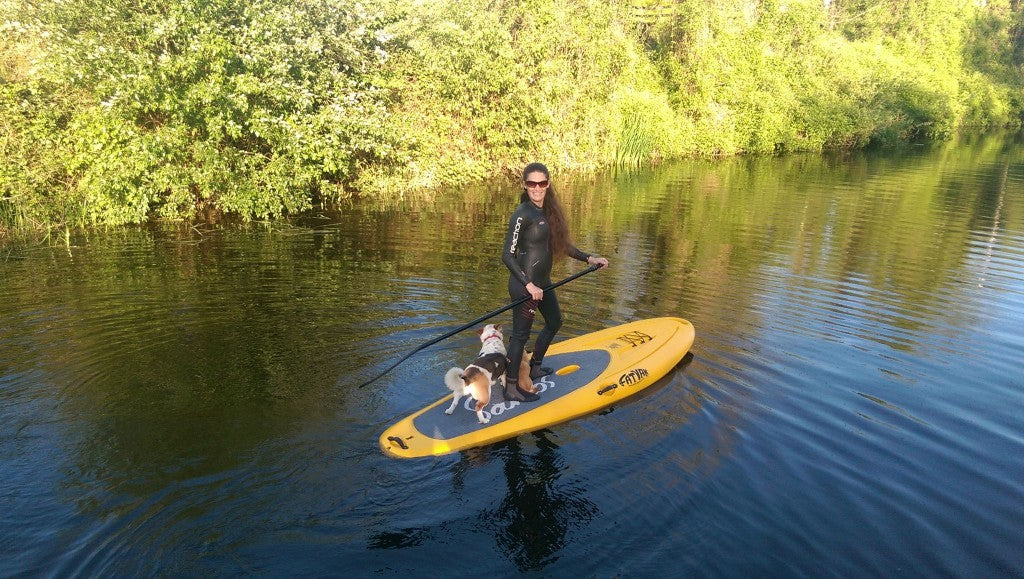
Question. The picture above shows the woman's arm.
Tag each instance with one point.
(575, 253)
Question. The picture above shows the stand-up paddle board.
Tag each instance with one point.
(591, 371)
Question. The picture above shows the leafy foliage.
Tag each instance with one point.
(485, 87)
(126, 110)
(144, 107)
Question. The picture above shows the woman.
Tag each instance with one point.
(537, 233)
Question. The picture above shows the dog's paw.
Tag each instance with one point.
(449, 411)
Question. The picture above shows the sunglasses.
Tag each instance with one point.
(535, 184)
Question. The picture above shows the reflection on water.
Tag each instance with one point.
(532, 521)
(178, 400)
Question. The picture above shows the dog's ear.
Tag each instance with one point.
(497, 327)
(480, 331)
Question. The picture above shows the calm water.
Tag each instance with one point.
(183, 401)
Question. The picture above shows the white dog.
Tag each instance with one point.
(476, 379)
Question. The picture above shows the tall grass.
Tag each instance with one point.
(635, 141)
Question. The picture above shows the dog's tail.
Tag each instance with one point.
(453, 379)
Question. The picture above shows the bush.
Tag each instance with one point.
(255, 108)
(485, 87)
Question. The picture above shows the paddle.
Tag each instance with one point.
(478, 320)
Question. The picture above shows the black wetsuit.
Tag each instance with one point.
(527, 254)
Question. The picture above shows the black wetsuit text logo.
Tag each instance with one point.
(515, 236)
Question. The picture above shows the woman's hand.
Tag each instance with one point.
(597, 260)
(535, 292)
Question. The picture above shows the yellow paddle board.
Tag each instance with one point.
(591, 371)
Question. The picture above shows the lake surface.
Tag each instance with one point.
(179, 400)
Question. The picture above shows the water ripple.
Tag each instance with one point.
(184, 402)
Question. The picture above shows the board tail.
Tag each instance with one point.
(453, 379)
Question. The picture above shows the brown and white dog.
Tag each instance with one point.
(489, 367)
(476, 379)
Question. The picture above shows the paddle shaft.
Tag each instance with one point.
(478, 320)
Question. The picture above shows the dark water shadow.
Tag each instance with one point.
(534, 521)
(400, 539)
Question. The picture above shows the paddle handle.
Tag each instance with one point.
(466, 326)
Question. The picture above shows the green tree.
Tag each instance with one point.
(253, 108)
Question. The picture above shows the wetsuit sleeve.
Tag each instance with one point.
(575, 253)
(508, 252)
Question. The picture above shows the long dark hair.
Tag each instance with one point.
(558, 238)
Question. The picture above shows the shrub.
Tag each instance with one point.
(255, 108)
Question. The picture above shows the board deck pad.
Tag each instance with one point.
(592, 371)
(463, 420)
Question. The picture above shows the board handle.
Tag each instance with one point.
(607, 389)
(399, 442)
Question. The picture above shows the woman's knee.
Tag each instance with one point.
(553, 324)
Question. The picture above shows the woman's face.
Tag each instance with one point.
(536, 184)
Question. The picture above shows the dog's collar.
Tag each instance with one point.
(490, 337)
